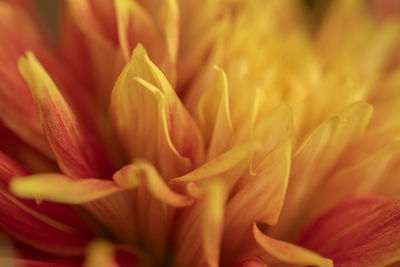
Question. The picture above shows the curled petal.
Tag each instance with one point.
(76, 154)
(358, 232)
(133, 175)
(288, 253)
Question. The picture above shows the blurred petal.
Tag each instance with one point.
(47, 226)
(17, 109)
(144, 105)
(200, 236)
(100, 253)
(288, 253)
(136, 26)
(358, 232)
(76, 154)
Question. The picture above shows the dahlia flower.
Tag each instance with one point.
(183, 133)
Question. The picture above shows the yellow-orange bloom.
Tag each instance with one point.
(200, 133)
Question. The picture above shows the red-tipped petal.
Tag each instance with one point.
(75, 152)
(358, 232)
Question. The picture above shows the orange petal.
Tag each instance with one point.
(136, 26)
(358, 232)
(17, 109)
(289, 253)
(76, 154)
(155, 204)
(229, 167)
(144, 105)
(258, 198)
(200, 235)
(376, 174)
(213, 117)
(316, 157)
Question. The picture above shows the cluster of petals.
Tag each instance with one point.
(184, 133)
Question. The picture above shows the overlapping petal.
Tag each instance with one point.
(150, 120)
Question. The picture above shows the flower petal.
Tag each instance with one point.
(200, 234)
(144, 105)
(229, 166)
(133, 175)
(101, 253)
(59, 188)
(259, 197)
(316, 157)
(288, 253)
(358, 232)
(213, 117)
(76, 154)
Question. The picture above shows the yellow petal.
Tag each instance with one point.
(213, 116)
(144, 106)
(289, 253)
(230, 166)
(59, 188)
(142, 173)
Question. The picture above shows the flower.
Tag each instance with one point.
(200, 133)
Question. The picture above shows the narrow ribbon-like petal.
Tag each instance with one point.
(76, 154)
(213, 117)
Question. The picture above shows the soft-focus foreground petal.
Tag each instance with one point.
(358, 232)
(201, 240)
(150, 120)
(76, 153)
(46, 226)
(17, 109)
(101, 253)
(286, 253)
